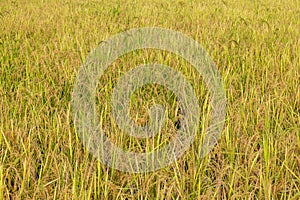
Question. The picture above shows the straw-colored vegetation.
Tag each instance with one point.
(256, 47)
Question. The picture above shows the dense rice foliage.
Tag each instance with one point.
(256, 46)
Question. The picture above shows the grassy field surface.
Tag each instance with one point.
(256, 46)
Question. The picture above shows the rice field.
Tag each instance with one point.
(256, 47)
